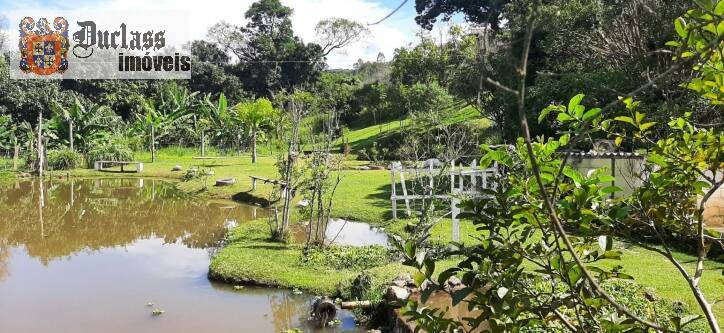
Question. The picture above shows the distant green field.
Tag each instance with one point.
(364, 137)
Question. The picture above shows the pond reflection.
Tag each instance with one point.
(89, 255)
(343, 232)
(53, 220)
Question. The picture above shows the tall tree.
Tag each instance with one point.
(208, 78)
(334, 95)
(270, 57)
(122, 96)
(336, 33)
(206, 51)
(24, 99)
(484, 12)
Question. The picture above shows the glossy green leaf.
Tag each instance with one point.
(591, 114)
(574, 102)
(625, 119)
(562, 117)
(679, 26)
(564, 139)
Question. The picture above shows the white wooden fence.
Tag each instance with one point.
(465, 181)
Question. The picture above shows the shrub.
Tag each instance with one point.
(645, 303)
(64, 159)
(347, 257)
(109, 148)
(195, 173)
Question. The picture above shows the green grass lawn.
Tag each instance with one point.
(652, 270)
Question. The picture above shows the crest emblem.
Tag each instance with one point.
(43, 50)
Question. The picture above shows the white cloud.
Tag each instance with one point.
(385, 37)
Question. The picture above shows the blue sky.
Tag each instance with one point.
(399, 30)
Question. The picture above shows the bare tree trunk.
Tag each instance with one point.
(319, 232)
(253, 145)
(153, 144)
(311, 222)
(70, 126)
(289, 169)
(203, 144)
(287, 191)
(45, 154)
(238, 145)
(41, 161)
(16, 154)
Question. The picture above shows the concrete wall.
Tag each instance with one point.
(714, 209)
(627, 171)
(628, 177)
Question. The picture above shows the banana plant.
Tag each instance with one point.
(172, 112)
(9, 137)
(81, 124)
(7, 132)
(214, 119)
(176, 99)
(26, 133)
(64, 113)
(150, 120)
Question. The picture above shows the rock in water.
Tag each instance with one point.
(324, 310)
(397, 294)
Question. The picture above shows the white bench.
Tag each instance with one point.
(100, 165)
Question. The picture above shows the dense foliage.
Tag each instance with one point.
(110, 147)
(545, 227)
(64, 159)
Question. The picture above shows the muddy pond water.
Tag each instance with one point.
(101, 255)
